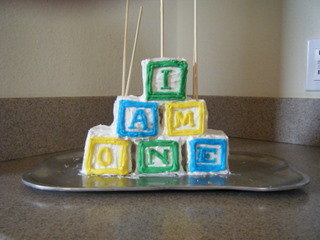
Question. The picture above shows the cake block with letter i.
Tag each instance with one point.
(105, 155)
(159, 156)
(137, 119)
(185, 118)
(208, 153)
(164, 79)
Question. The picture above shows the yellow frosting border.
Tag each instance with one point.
(171, 107)
(123, 168)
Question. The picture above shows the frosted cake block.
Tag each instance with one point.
(207, 155)
(137, 119)
(158, 156)
(106, 155)
(165, 79)
(185, 118)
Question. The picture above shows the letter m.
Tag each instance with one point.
(183, 119)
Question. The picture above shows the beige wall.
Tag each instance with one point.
(74, 48)
(251, 47)
(300, 22)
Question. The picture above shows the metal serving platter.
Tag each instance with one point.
(249, 172)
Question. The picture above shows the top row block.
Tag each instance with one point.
(164, 79)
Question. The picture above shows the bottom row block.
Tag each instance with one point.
(106, 155)
(159, 156)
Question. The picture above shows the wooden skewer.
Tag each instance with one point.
(161, 28)
(195, 54)
(125, 49)
(133, 51)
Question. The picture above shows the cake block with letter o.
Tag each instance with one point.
(137, 119)
(185, 118)
(159, 156)
(208, 153)
(164, 79)
(106, 155)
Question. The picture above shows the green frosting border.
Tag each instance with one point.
(141, 158)
(179, 95)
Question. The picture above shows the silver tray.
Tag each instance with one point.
(249, 172)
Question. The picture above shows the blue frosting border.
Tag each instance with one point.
(121, 128)
(194, 167)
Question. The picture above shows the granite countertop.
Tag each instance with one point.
(28, 213)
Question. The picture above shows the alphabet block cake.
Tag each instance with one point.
(155, 131)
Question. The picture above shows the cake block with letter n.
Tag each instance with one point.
(164, 79)
(158, 156)
(185, 118)
(106, 155)
(208, 153)
(137, 119)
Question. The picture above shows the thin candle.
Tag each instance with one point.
(125, 49)
(133, 51)
(161, 28)
(195, 53)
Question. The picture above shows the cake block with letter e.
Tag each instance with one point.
(159, 156)
(164, 79)
(208, 153)
(106, 155)
(137, 119)
(185, 118)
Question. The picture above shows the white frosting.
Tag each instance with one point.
(212, 133)
(101, 131)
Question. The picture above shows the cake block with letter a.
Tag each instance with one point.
(208, 153)
(106, 155)
(164, 79)
(137, 119)
(185, 118)
(159, 156)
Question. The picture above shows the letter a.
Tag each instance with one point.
(180, 119)
(139, 116)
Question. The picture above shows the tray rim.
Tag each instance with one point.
(25, 178)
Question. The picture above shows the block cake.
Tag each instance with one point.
(156, 131)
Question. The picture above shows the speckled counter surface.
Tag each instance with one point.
(27, 213)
